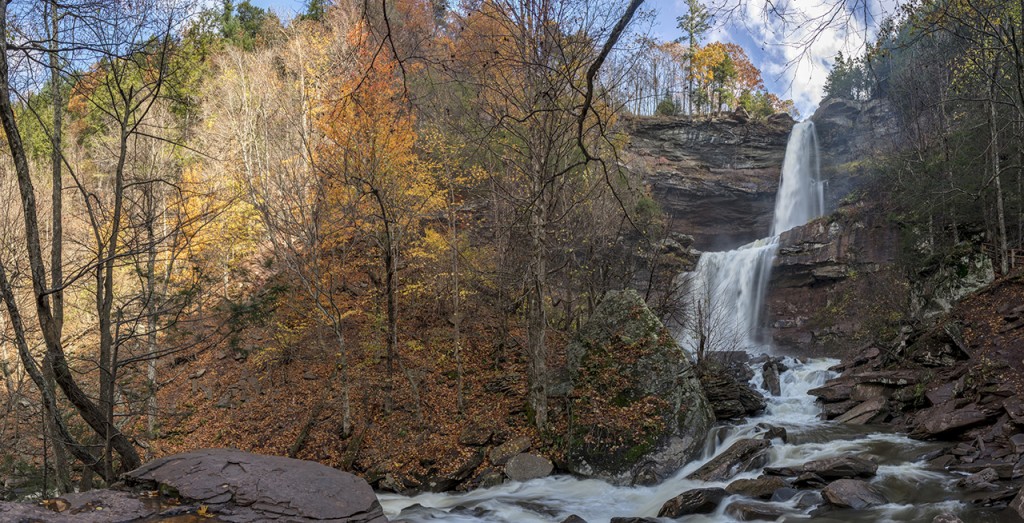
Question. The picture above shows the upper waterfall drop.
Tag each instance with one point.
(727, 289)
(801, 195)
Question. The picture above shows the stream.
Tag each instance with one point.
(918, 493)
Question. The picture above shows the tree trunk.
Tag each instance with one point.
(994, 147)
(460, 401)
(61, 460)
(90, 413)
(536, 317)
(151, 314)
(62, 474)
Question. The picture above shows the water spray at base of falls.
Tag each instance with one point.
(727, 289)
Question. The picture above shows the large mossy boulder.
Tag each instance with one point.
(638, 413)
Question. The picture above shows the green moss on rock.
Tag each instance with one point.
(636, 401)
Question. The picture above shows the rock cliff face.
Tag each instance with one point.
(716, 179)
(836, 284)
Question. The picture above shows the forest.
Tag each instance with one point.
(413, 240)
(359, 182)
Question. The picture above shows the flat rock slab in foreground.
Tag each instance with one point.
(96, 506)
(243, 487)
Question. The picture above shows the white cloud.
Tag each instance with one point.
(799, 43)
(795, 51)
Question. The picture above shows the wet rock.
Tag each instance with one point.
(763, 487)
(772, 432)
(488, 478)
(801, 499)
(852, 493)
(946, 418)
(730, 398)
(1004, 468)
(420, 512)
(1017, 505)
(833, 393)
(871, 411)
(770, 374)
(744, 455)
(784, 494)
(258, 488)
(123, 504)
(438, 479)
(20, 512)
(862, 357)
(809, 480)
(754, 511)
(979, 480)
(831, 468)
(696, 501)
(524, 467)
(842, 467)
(834, 410)
(95, 506)
(1017, 443)
(991, 498)
(941, 462)
(625, 355)
(504, 452)
(574, 519)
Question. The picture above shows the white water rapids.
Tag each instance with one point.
(901, 474)
(738, 279)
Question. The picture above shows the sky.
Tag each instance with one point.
(793, 53)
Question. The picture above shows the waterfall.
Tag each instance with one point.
(801, 196)
(727, 289)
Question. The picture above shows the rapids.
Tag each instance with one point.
(918, 493)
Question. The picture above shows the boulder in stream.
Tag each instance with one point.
(730, 397)
(755, 511)
(763, 487)
(744, 455)
(638, 408)
(696, 501)
(985, 479)
(840, 467)
(853, 493)
(770, 373)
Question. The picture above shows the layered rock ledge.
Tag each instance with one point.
(231, 485)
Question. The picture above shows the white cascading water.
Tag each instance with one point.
(552, 499)
(918, 494)
(727, 288)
